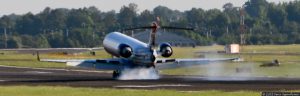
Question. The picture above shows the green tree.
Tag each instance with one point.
(277, 14)
(42, 42)
(257, 8)
(145, 18)
(293, 10)
(127, 15)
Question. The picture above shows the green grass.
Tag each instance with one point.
(272, 48)
(289, 67)
(189, 52)
(290, 64)
(33, 64)
(69, 91)
(10, 55)
(230, 69)
(11, 58)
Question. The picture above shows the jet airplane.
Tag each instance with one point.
(131, 53)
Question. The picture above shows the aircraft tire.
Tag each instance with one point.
(116, 74)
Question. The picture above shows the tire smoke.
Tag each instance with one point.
(226, 70)
(139, 74)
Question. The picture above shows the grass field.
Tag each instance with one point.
(290, 65)
(11, 58)
(272, 48)
(69, 91)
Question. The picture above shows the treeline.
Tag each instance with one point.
(265, 23)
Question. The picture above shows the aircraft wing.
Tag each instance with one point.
(53, 50)
(115, 64)
(104, 64)
(62, 60)
(177, 63)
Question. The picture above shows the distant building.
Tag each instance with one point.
(232, 48)
(172, 38)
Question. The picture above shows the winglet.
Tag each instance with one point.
(237, 59)
(38, 56)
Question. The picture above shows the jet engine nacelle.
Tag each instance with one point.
(125, 50)
(165, 50)
(120, 45)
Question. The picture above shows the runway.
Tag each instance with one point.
(102, 79)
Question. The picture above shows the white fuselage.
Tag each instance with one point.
(142, 53)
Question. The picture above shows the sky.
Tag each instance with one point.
(36, 6)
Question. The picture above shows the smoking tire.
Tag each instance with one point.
(116, 74)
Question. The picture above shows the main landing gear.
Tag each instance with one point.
(116, 74)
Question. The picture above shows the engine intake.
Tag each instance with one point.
(165, 49)
(125, 50)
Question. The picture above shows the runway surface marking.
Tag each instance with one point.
(152, 86)
(39, 72)
(228, 78)
(10, 75)
(189, 91)
(2, 80)
(52, 69)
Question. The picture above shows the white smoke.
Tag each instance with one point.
(226, 70)
(215, 69)
(139, 74)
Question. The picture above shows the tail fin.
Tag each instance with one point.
(153, 34)
(155, 26)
